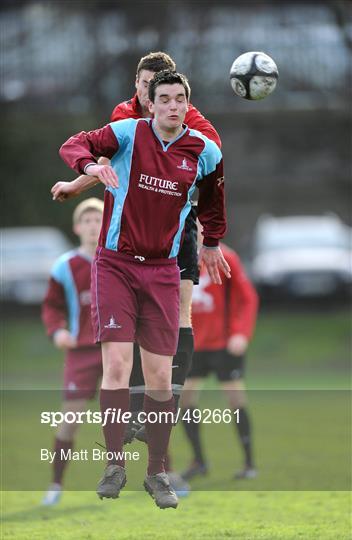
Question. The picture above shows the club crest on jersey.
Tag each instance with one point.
(112, 323)
(184, 165)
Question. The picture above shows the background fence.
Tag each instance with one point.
(65, 65)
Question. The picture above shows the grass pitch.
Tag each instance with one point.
(203, 515)
(301, 441)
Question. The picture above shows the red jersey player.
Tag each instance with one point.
(66, 314)
(223, 320)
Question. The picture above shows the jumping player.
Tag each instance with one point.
(223, 320)
(67, 319)
(137, 107)
(159, 163)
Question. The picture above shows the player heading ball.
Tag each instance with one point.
(136, 280)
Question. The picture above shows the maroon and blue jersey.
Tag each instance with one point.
(67, 303)
(145, 215)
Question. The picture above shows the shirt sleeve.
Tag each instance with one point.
(195, 120)
(211, 206)
(83, 148)
(242, 300)
(120, 112)
(54, 311)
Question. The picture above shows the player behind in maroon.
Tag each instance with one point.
(223, 320)
(155, 167)
(66, 314)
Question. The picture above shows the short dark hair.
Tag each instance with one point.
(156, 61)
(168, 77)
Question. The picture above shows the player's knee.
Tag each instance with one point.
(164, 380)
(116, 370)
(161, 379)
(113, 376)
(236, 394)
(188, 397)
(237, 403)
(67, 431)
(186, 402)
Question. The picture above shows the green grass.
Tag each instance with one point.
(291, 350)
(298, 368)
(302, 442)
(204, 515)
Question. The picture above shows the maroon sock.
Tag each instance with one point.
(168, 463)
(114, 431)
(60, 463)
(158, 433)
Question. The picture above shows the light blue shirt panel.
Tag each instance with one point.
(207, 161)
(183, 215)
(61, 272)
(124, 131)
(209, 157)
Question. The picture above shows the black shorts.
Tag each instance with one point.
(187, 258)
(225, 366)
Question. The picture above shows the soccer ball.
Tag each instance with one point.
(253, 75)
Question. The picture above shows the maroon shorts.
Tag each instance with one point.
(82, 371)
(136, 300)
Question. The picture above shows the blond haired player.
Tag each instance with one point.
(67, 318)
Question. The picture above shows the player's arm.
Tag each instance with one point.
(62, 191)
(54, 316)
(212, 215)
(79, 153)
(242, 307)
(195, 120)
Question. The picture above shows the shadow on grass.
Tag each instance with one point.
(40, 513)
(49, 513)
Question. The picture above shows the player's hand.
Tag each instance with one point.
(64, 340)
(214, 262)
(103, 160)
(61, 191)
(105, 173)
(237, 344)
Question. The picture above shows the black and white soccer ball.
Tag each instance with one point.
(253, 75)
